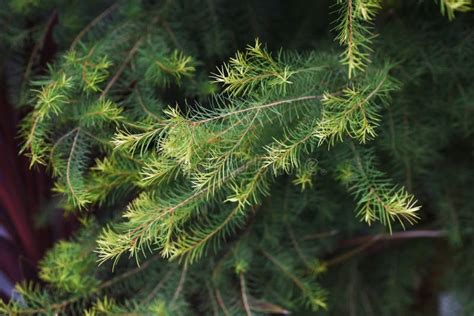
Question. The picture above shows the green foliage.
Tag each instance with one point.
(68, 268)
(448, 7)
(166, 69)
(231, 191)
(251, 69)
(354, 32)
(377, 198)
(355, 113)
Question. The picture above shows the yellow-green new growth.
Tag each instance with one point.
(253, 70)
(354, 32)
(169, 68)
(449, 7)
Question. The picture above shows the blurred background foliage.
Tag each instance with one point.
(434, 51)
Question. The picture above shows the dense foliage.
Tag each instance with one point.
(230, 158)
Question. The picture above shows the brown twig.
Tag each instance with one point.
(182, 279)
(410, 234)
(156, 288)
(221, 303)
(92, 24)
(245, 301)
(38, 46)
(130, 55)
(367, 241)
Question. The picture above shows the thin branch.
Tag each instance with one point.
(92, 24)
(29, 142)
(182, 279)
(410, 234)
(373, 92)
(68, 166)
(350, 38)
(129, 273)
(215, 310)
(244, 295)
(367, 241)
(390, 214)
(259, 107)
(171, 34)
(157, 288)
(38, 46)
(145, 109)
(298, 248)
(221, 162)
(320, 235)
(221, 303)
(290, 230)
(182, 203)
(59, 141)
(290, 275)
(127, 59)
(349, 254)
(214, 232)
